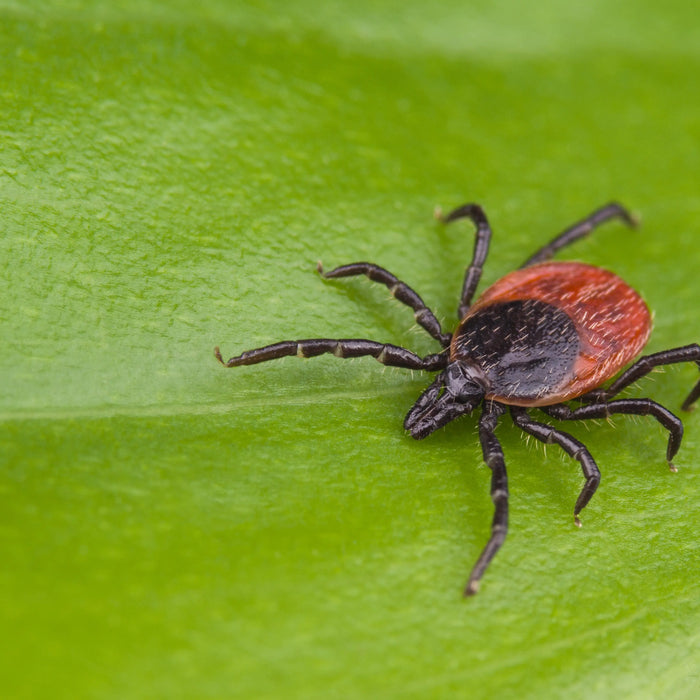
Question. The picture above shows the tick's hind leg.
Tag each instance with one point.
(636, 407)
(644, 365)
(481, 249)
(580, 230)
(391, 355)
(575, 449)
(493, 456)
(400, 290)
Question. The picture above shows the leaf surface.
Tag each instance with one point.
(170, 173)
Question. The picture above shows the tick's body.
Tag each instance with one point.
(551, 332)
(542, 335)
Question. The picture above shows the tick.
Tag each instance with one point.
(540, 337)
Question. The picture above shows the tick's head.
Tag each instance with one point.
(456, 391)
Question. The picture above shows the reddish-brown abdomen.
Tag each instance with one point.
(612, 321)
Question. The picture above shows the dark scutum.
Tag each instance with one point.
(526, 348)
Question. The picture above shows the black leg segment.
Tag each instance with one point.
(493, 456)
(391, 355)
(644, 365)
(400, 290)
(575, 449)
(481, 249)
(636, 407)
(580, 230)
(692, 397)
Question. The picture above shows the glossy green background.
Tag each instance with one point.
(170, 172)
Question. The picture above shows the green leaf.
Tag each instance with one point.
(170, 173)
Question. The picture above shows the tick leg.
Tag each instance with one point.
(636, 407)
(481, 249)
(575, 449)
(644, 365)
(400, 290)
(391, 355)
(493, 456)
(580, 230)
